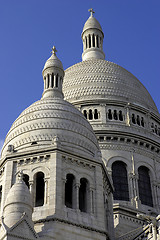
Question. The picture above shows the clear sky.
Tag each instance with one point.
(29, 29)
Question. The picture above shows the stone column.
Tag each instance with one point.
(88, 41)
(95, 40)
(90, 201)
(45, 190)
(77, 186)
(31, 191)
(50, 80)
(91, 40)
(54, 80)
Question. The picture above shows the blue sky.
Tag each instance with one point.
(30, 28)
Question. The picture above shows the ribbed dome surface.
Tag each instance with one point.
(92, 23)
(38, 125)
(100, 79)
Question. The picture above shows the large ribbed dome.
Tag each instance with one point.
(100, 79)
(39, 124)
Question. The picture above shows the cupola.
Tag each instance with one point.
(92, 37)
(53, 74)
(18, 203)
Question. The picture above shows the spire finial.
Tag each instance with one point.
(20, 176)
(91, 11)
(54, 50)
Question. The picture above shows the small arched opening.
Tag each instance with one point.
(39, 198)
(26, 179)
(90, 116)
(83, 195)
(69, 195)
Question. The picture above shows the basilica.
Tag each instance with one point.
(83, 162)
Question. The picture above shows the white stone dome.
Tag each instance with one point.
(98, 79)
(92, 22)
(53, 61)
(46, 119)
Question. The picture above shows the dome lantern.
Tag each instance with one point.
(53, 74)
(92, 37)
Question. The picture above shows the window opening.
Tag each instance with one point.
(120, 181)
(156, 130)
(120, 116)
(115, 115)
(90, 114)
(0, 196)
(133, 119)
(97, 41)
(26, 179)
(47, 80)
(85, 113)
(93, 37)
(83, 195)
(89, 41)
(138, 120)
(86, 42)
(95, 114)
(57, 80)
(144, 186)
(142, 121)
(39, 189)
(69, 190)
(109, 114)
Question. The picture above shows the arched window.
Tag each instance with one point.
(95, 114)
(90, 114)
(69, 190)
(138, 120)
(144, 186)
(120, 181)
(142, 121)
(120, 116)
(83, 195)
(133, 119)
(85, 113)
(115, 115)
(109, 114)
(57, 80)
(26, 179)
(93, 37)
(97, 41)
(89, 41)
(39, 180)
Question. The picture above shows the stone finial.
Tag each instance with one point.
(20, 176)
(54, 50)
(91, 11)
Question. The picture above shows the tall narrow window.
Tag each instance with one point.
(115, 115)
(138, 120)
(57, 80)
(26, 179)
(97, 41)
(90, 114)
(69, 190)
(109, 114)
(39, 201)
(93, 37)
(86, 42)
(89, 41)
(83, 195)
(144, 186)
(47, 80)
(133, 119)
(120, 116)
(142, 121)
(120, 181)
(95, 114)
(85, 113)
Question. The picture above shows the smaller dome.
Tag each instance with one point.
(17, 203)
(92, 23)
(53, 61)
